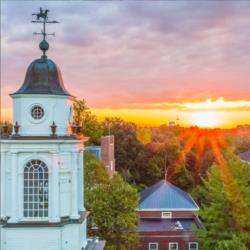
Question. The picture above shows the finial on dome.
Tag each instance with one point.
(44, 46)
(43, 14)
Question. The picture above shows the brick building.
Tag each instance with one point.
(167, 219)
(105, 152)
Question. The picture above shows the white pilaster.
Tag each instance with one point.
(74, 189)
(55, 189)
(2, 183)
(81, 180)
(14, 165)
(20, 183)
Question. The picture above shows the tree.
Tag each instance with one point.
(95, 172)
(88, 122)
(154, 170)
(9, 129)
(129, 151)
(143, 135)
(225, 206)
(112, 203)
(242, 144)
(183, 179)
(206, 162)
(234, 243)
(191, 162)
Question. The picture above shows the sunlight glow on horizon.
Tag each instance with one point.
(218, 104)
(206, 119)
(207, 114)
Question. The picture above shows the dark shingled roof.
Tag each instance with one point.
(43, 77)
(165, 196)
(245, 156)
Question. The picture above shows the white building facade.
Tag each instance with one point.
(42, 203)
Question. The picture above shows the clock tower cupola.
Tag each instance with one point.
(42, 100)
(42, 204)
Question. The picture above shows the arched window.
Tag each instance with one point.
(36, 187)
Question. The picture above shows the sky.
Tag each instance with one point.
(148, 62)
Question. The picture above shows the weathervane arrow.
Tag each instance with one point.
(42, 17)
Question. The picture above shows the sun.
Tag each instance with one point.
(206, 119)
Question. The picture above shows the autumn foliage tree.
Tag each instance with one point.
(144, 154)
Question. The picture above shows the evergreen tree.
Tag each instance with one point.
(225, 209)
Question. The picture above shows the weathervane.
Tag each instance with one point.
(42, 17)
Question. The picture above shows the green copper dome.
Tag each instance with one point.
(43, 77)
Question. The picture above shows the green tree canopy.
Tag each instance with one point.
(112, 203)
(87, 121)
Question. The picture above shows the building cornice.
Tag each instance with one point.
(63, 221)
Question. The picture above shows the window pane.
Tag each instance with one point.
(25, 191)
(173, 246)
(153, 246)
(193, 246)
(36, 189)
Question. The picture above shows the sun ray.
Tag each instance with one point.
(234, 194)
(200, 150)
(176, 166)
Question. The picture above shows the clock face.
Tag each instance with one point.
(37, 112)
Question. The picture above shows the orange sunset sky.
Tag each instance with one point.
(147, 62)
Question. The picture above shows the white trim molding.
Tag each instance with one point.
(173, 243)
(153, 243)
(190, 243)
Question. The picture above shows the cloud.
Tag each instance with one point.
(121, 53)
(210, 105)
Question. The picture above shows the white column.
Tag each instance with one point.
(3, 186)
(74, 191)
(14, 169)
(55, 216)
(20, 184)
(81, 182)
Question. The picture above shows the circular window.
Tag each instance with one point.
(37, 112)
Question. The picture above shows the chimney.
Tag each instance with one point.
(108, 153)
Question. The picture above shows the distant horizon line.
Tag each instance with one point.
(2, 121)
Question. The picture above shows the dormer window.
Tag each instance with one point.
(166, 215)
(37, 112)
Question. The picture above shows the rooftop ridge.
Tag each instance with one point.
(153, 188)
(165, 195)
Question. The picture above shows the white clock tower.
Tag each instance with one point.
(42, 165)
